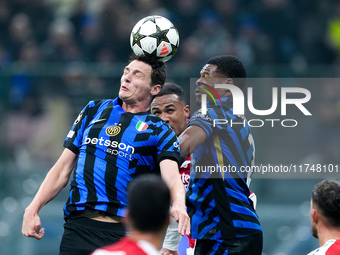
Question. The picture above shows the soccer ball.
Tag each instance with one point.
(155, 36)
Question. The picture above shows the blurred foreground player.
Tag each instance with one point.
(170, 105)
(223, 217)
(146, 220)
(325, 217)
(111, 142)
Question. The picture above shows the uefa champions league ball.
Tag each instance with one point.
(155, 36)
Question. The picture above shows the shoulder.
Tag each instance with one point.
(95, 104)
(153, 121)
(331, 247)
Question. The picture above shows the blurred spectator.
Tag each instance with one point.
(328, 111)
(61, 45)
(21, 124)
(333, 30)
(189, 51)
(186, 16)
(76, 89)
(5, 57)
(41, 15)
(209, 27)
(91, 40)
(5, 14)
(278, 21)
(20, 31)
(228, 12)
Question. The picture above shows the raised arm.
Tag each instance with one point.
(170, 174)
(190, 139)
(55, 180)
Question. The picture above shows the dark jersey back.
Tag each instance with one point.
(114, 147)
(218, 194)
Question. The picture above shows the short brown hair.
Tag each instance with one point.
(158, 73)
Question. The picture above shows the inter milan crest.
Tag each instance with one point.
(113, 130)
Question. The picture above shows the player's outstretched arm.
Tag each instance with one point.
(55, 180)
(170, 174)
(190, 139)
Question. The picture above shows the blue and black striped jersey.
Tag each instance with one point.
(218, 195)
(113, 147)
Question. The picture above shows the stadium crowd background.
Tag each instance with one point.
(56, 55)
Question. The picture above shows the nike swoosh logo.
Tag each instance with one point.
(95, 121)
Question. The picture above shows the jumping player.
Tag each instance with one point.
(223, 217)
(111, 143)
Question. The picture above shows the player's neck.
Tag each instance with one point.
(152, 238)
(325, 234)
(135, 108)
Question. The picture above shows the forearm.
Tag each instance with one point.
(190, 139)
(55, 180)
(170, 175)
(177, 191)
(48, 190)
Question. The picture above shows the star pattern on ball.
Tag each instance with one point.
(160, 35)
(136, 37)
(155, 36)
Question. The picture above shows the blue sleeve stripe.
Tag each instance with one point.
(237, 195)
(243, 210)
(246, 224)
(206, 229)
(218, 236)
(238, 145)
(207, 129)
(244, 132)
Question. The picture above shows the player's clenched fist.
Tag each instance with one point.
(31, 225)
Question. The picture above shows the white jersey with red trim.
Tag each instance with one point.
(331, 247)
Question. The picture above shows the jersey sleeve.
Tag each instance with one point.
(204, 121)
(167, 145)
(74, 137)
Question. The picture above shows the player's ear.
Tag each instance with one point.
(155, 89)
(187, 111)
(314, 215)
(230, 81)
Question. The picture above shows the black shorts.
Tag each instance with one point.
(83, 235)
(251, 245)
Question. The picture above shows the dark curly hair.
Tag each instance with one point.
(326, 198)
(231, 67)
(172, 88)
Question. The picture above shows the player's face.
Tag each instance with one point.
(171, 110)
(135, 83)
(210, 76)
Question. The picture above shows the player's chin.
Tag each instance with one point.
(123, 95)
